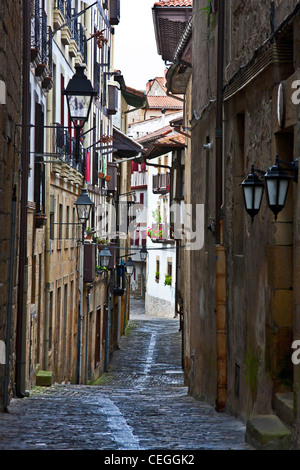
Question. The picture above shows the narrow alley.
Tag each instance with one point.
(140, 404)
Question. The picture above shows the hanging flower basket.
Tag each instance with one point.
(40, 220)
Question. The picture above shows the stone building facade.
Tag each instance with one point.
(54, 327)
(11, 21)
(240, 296)
(245, 318)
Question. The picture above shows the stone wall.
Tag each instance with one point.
(10, 116)
(158, 307)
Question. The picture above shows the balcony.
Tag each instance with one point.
(73, 46)
(161, 183)
(58, 14)
(160, 233)
(65, 148)
(112, 171)
(41, 47)
(114, 12)
(112, 98)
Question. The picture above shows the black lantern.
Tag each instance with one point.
(277, 185)
(83, 206)
(253, 189)
(79, 93)
(129, 267)
(105, 256)
(143, 253)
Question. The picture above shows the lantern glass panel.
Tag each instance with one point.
(248, 192)
(83, 211)
(283, 188)
(79, 106)
(272, 191)
(258, 192)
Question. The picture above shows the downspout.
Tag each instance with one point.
(10, 296)
(47, 265)
(107, 327)
(221, 343)
(23, 266)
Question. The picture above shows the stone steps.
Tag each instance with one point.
(273, 432)
(268, 432)
(284, 407)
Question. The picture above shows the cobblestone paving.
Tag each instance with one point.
(141, 403)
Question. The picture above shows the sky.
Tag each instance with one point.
(135, 51)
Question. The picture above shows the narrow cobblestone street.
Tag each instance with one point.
(141, 403)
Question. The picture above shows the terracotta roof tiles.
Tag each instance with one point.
(174, 3)
(163, 102)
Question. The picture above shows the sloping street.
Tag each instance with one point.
(140, 404)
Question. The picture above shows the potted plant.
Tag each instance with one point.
(168, 280)
(88, 233)
(157, 276)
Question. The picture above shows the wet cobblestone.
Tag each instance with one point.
(141, 403)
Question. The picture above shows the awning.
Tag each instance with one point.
(165, 145)
(124, 146)
(134, 98)
(170, 20)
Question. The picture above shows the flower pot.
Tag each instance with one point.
(107, 178)
(101, 175)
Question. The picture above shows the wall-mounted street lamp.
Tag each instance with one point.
(253, 189)
(143, 253)
(129, 267)
(79, 94)
(276, 183)
(105, 256)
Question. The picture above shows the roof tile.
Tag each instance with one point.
(174, 3)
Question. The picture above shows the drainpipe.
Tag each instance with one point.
(107, 327)
(220, 248)
(23, 266)
(47, 266)
(10, 295)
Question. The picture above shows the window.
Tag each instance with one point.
(60, 212)
(67, 222)
(50, 328)
(157, 270)
(169, 269)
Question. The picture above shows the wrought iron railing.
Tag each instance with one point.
(65, 147)
(44, 38)
(74, 26)
(60, 5)
(35, 26)
(68, 11)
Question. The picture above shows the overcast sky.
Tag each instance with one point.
(135, 46)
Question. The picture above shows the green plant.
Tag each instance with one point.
(168, 280)
(157, 275)
(100, 269)
(156, 216)
(101, 241)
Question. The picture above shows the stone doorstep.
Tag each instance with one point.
(284, 407)
(268, 432)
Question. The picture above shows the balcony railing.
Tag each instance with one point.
(41, 46)
(160, 233)
(35, 34)
(114, 12)
(65, 148)
(161, 183)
